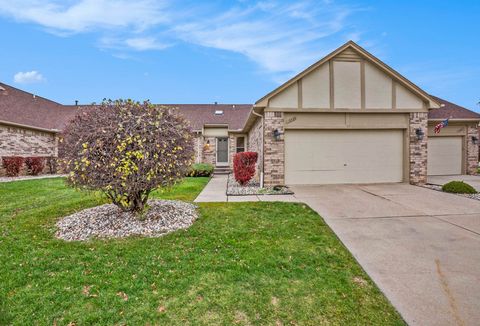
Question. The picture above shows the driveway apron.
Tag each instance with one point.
(420, 246)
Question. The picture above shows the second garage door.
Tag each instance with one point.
(444, 155)
(343, 156)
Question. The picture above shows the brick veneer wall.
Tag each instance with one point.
(472, 150)
(254, 144)
(274, 150)
(16, 141)
(232, 148)
(198, 147)
(418, 148)
(209, 150)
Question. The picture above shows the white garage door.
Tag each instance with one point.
(343, 156)
(444, 155)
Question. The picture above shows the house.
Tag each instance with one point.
(29, 124)
(348, 118)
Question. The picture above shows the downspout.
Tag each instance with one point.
(262, 145)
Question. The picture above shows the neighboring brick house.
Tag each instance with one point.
(29, 124)
(348, 118)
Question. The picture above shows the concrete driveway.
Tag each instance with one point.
(473, 180)
(420, 246)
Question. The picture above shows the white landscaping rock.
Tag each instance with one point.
(108, 221)
(252, 188)
(439, 188)
(31, 177)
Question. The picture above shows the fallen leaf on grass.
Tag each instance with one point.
(86, 290)
(275, 301)
(360, 281)
(123, 295)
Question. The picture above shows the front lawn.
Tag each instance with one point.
(240, 263)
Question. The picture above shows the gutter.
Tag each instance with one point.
(262, 146)
(457, 119)
(55, 131)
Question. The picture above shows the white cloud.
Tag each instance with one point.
(133, 43)
(28, 77)
(282, 37)
(86, 15)
(145, 43)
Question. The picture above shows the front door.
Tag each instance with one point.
(222, 151)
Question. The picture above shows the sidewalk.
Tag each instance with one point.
(216, 191)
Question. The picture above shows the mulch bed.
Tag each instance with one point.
(108, 221)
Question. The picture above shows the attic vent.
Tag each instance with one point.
(218, 112)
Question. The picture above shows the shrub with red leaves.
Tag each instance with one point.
(34, 165)
(12, 165)
(244, 166)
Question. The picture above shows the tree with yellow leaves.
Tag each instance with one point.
(126, 149)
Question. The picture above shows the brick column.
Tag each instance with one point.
(232, 149)
(472, 150)
(274, 150)
(418, 148)
(209, 150)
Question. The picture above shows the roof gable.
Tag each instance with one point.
(348, 53)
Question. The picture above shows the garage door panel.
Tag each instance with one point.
(445, 155)
(343, 156)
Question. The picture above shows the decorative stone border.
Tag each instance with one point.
(439, 188)
(253, 188)
(31, 177)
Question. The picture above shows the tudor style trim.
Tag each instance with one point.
(433, 103)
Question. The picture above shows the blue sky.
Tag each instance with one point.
(181, 51)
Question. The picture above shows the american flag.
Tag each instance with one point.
(441, 125)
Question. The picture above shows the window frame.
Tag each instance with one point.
(243, 148)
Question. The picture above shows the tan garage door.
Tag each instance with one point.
(444, 155)
(343, 156)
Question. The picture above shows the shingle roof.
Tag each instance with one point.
(452, 111)
(199, 115)
(20, 107)
(234, 115)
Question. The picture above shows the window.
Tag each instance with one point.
(218, 112)
(240, 144)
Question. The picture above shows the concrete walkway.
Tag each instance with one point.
(420, 246)
(216, 191)
(473, 180)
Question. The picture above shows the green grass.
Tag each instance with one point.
(240, 263)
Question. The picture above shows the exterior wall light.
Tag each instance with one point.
(419, 133)
(474, 140)
(207, 145)
(276, 134)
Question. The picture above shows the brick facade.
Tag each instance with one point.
(16, 141)
(418, 148)
(254, 144)
(472, 150)
(232, 149)
(209, 150)
(198, 147)
(274, 150)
